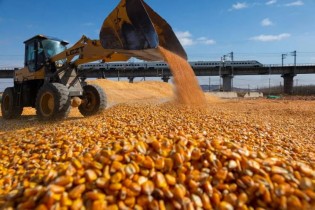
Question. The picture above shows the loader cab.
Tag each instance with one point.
(41, 48)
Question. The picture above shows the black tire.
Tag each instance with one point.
(53, 102)
(9, 109)
(94, 100)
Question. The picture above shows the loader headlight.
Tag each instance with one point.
(58, 64)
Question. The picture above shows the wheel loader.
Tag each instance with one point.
(50, 81)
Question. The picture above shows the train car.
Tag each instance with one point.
(157, 65)
(163, 65)
(94, 66)
(205, 64)
(248, 63)
(213, 64)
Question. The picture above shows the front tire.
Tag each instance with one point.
(95, 100)
(9, 109)
(53, 102)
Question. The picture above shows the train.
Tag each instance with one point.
(163, 65)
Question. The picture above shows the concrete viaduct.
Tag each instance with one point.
(227, 73)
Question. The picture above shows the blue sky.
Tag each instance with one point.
(261, 29)
(256, 29)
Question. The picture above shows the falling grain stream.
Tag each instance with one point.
(187, 89)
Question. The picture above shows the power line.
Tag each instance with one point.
(11, 55)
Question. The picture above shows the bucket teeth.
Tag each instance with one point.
(134, 28)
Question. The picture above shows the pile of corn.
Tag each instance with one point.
(123, 91)
(229, 155)
(143, 156)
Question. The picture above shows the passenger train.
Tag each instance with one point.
(163, 65)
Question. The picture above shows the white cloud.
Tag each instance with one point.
(206, 41)
(295, 3)
(271, 2)
(239, 6)
(186, 39)
(270, 38)
(266, 22)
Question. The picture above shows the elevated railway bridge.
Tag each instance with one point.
(287, 72)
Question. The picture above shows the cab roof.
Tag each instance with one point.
(40, 36)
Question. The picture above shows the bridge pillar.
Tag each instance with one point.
(165, 78)
(227, 82)
(288, 83)
(131, 79)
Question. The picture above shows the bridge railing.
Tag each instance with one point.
(9, 68)
(288, 65)
(264, 65)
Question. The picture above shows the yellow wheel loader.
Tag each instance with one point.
(50, 81)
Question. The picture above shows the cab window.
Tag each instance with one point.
(30, 61)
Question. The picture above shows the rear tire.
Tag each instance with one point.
(9, 109)
(53, 102)
(95, 100)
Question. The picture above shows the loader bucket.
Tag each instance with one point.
(134, 29)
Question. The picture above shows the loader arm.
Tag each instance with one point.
(87, 50)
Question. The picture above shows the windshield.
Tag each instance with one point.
(52, 47)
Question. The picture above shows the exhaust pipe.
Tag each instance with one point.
(136, 30)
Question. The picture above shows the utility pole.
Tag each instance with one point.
(294, 54)
(229, 55)
(283, 56)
